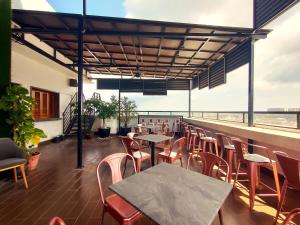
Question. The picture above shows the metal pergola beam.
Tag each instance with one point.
(141, 66)
(137, 33)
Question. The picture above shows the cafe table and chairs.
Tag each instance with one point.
(153, 139)
(169, 194)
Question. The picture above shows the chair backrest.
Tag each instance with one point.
(290, 168)
(131, 135)
(239, 148)
(127, 144)
(8, 149)
(56, 221)
(114, 161)
(178, 145)
(291, 215)
(200, 132)
(210, 160)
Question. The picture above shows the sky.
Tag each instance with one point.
(277, 58)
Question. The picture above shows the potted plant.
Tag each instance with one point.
(127, 112)
(104, 110)
(18, 104)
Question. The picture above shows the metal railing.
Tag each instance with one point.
(273, 118)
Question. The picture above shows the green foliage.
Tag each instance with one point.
(18, 104)
(104, 110)
(128, 110)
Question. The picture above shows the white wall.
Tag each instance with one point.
(30, 69)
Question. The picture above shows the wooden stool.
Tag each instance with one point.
(254, 162)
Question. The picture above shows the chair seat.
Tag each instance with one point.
(6, 163)
(208, 139)
(142, 155)
(257, 158)
(229, 147)
(166, 154)
(121, 207)
(162, 146)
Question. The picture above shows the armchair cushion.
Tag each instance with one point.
(6, 163)
(8, 149)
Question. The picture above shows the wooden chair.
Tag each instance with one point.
(134, 149)
(116, 206)
(290, 216)
(173, 153)
(291, 170)
(209, 161)
(210, 141)
(165, 145)
(56, 221)
(195, 140)
(226, 146)
(11, 158)
(254, 162)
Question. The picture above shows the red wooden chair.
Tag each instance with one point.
(226, 147)
(290, 216)
(254, 162)
(135, 149)
(196, 141)
(165, 145)
(210, 141)
(209, 161)
(116, 206)
(56, 221)
(173, 153)
(291, 170)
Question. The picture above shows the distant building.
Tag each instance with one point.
(283, 109)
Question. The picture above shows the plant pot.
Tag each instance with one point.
(104, 132)
(34, 161)
(88, 136)
(125, 130)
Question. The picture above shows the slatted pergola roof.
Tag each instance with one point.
(128, 47)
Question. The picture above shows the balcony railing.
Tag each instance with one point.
(273, 119)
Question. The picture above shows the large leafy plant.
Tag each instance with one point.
(128, 110)
(18, 104)
(103, 110)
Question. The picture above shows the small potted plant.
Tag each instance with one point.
(105, 110)
(127, 113)
(18, 104)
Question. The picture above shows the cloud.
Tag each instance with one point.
(216, 12)
(277, 58)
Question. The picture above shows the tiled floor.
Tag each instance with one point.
(58, 189)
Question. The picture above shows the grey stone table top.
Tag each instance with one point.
(171, 195)
(153, 137)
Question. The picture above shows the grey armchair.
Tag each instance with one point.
(11, 157)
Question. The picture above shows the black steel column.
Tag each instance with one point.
(79, 92)
(5, 62)
(251, 86)
(190, 98)
(84, 7)
(119, 116)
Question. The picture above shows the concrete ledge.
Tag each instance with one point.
(277, 138)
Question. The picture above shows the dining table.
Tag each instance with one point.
(152, 139)
(169, 194)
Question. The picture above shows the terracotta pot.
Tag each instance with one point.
(33, 161)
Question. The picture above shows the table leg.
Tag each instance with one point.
(152, 144)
